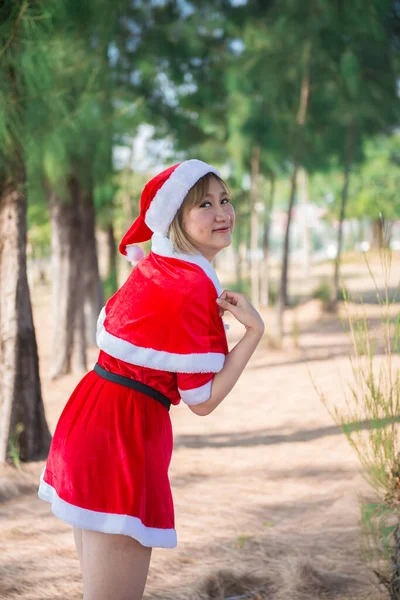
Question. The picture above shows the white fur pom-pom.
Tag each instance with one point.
(134, 253)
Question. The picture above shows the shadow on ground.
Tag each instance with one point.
(264, 437)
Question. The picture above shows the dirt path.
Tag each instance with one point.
(265, 488)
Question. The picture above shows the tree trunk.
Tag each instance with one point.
(242, 263)
(66, 240)
(348, 157)
(300, 123)
(304, 203)
(237, 238)
(112, 272)
(379, 239)
(93, 289)
(254, 267)
(21, 405)
(266, 239)
(285, 259)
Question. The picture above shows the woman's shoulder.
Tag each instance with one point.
(175, 274)
(166, 284)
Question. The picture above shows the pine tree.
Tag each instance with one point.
(24, 68)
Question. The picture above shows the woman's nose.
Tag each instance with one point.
(221, 214)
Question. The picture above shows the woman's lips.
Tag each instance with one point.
(221, 230)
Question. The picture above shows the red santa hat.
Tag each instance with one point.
(161, 199)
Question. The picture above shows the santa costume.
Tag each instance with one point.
(161, 340)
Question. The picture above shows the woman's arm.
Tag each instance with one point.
(225, 380)
(235, 362)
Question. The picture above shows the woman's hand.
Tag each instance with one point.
(242, 309)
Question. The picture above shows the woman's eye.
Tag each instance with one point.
(224, 200)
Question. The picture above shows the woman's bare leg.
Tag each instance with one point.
(78, 543)
(115, 566)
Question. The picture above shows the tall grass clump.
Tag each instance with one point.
(370, 419)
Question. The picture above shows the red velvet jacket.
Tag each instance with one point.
(165, 317)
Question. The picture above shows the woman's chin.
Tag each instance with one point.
(226, 242)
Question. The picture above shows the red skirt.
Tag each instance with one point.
(107, 468)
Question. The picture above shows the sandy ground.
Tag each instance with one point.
(266, 488)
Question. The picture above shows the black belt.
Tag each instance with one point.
(133, 384)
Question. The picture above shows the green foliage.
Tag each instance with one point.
(14, 445)
(379, 523)
(129, 187)
(273, 293)
(244, 287)
(38, 226)
(242, 540)
(27, 95)
(110, 285)
(374, 182)
(370, 420)
(377, 180)
(324, 290)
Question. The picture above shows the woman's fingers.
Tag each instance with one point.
(227, 305)
(241, 308)
(231, 297)
(228, 299)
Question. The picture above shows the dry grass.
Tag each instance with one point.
(266, 489)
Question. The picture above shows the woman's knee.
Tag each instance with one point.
(116, 566)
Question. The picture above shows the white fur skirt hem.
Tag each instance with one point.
(106, 522)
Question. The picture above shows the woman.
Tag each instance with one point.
(161, 339)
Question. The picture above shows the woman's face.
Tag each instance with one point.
(210, 224)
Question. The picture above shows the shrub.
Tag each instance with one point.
(324, 293)
(370, 421)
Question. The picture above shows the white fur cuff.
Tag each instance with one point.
(196, 395)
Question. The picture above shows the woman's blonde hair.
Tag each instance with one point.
(177, 233)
